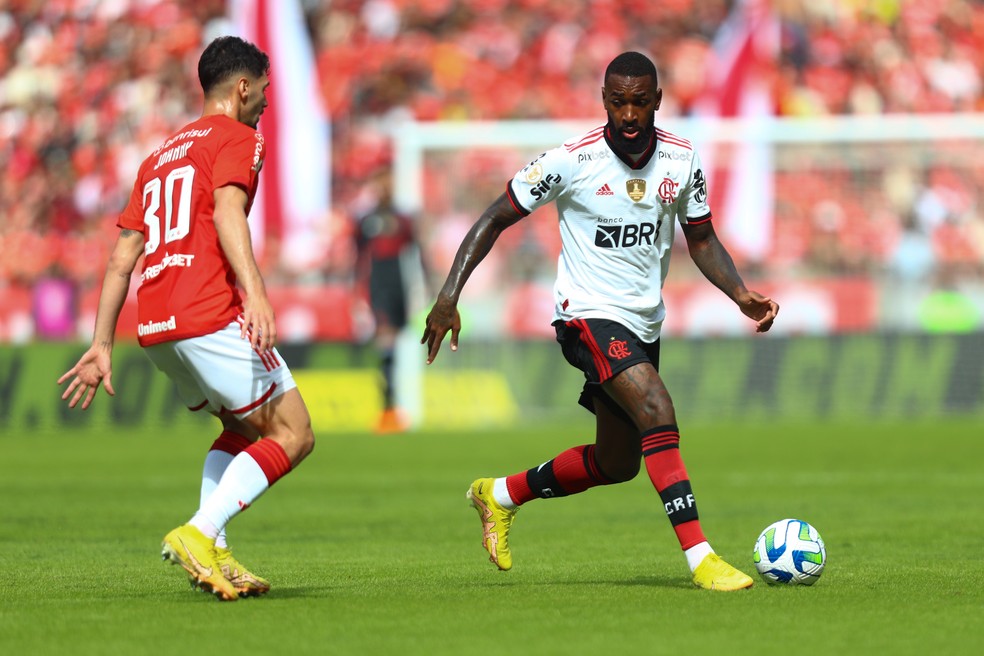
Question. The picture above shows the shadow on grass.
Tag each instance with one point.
(662, 581)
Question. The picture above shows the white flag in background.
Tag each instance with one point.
(293, 199)
(742, 188)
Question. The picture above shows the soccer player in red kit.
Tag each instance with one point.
(187, 216)
(620, 190)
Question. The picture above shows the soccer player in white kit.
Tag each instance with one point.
(620, 190)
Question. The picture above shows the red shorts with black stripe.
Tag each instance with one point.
(602, 349)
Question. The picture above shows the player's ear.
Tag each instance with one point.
(242, 87)
(659, 99)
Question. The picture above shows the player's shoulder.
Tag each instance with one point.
(231, 129)
(586, 140)
(669, 140)
(674, 150)
(587, 149)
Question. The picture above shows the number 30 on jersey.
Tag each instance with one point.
(176, 222)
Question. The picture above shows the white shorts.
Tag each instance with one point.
(221, 372)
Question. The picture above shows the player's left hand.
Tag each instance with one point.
(760, 308)
(93, 368)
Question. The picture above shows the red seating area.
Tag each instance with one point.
(87, 89)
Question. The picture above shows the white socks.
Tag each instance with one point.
(216, 462)
(501, 494)
(240, 485)
(697, 553)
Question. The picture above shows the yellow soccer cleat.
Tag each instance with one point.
(188, 547)
(496, 521)
(246, 583)
(715, 574)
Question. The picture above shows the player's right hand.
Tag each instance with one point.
(442, 318)
(259, 324)
(94, 367)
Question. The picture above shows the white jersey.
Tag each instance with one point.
(617, 221)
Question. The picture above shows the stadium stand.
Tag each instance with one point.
(88, 88)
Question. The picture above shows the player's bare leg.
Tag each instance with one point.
(285, 420)
(617, 446)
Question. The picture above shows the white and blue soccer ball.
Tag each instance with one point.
(790, 552)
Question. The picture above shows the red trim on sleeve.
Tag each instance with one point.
(698, 220)
(515, 201)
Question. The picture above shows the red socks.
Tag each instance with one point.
(576, 470)
(573, 471)
(231, 443)
(271, 458)
(661, 453)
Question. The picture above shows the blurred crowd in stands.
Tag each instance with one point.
(88, 88)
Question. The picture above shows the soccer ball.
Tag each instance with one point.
(791, 552)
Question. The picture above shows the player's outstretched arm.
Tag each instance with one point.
(95, 367)
(713, 260)
(444, 316)
(259, 323)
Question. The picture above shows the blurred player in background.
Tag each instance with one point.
(188, 216)
(619, 189)
(384, 236)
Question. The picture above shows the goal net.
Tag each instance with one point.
(869, 231)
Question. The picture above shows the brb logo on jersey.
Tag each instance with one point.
(627, 236)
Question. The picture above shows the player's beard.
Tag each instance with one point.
(631, 146)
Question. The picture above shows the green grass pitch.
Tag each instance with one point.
(372, 549)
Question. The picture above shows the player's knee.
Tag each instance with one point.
(303, 444)
(654, 410)
(618, 468)
(309, 442)
(623, 471)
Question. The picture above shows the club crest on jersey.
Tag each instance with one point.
(618, 349)
(636, 188)
(667, 190)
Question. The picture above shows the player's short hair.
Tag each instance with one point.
(631, 64)
(227, 56)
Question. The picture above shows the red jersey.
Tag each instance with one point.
(188, 287)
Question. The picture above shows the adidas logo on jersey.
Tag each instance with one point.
(604, 190)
